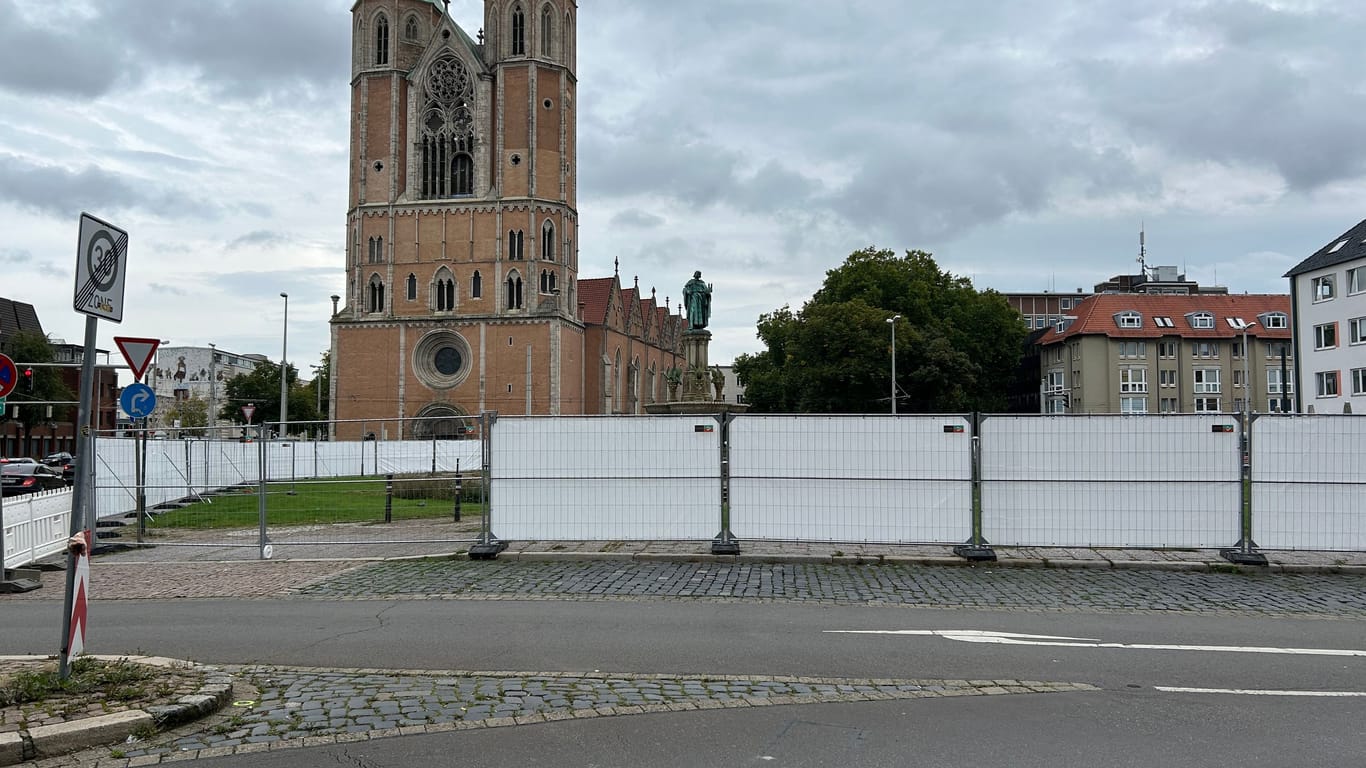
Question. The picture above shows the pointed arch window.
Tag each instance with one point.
(547, 30)
(412, 287)
(446, 130)
(514, 291)
(376, 295)
(445, 293)
(381, 40)
(518, 31)
(548, 241)
(477, 286)
(410, 30)
(376, 253)
(515, 238)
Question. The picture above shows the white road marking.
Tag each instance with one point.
(1250, 692)
(1011, 638)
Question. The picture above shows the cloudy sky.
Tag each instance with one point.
(1024, 143)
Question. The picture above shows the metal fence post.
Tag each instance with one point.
(1245, 551)
(262, 541)
(976, 549)
(389, 498)
(725, 542)
(459, 490)
(487, 546)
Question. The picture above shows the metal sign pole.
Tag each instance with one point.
(79, 493)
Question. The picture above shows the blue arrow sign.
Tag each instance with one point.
(138, 400)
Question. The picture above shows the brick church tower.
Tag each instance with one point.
(462, 287)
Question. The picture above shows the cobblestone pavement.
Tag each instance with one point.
(311, 707)
(888, 584)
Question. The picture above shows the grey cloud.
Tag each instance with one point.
(163, 288)
(636, 218)
(15, 256)
(58, 191)
(53, 59)
(259, 237)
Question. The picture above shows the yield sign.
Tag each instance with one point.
(248, 410)
(138, 353)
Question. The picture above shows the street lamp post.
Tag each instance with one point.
(212, 421)
(892, 322)
(284, 371)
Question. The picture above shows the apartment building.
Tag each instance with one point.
(1328, 296)
(1163, 353)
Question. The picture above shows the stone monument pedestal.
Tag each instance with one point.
(699, 391)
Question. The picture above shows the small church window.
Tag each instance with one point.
(514, 291)
(548, 241)
(518, 31)
(410, 31)
(462, 174)
(412, 287)
(477, 286)
(382, 40)
(376, 298)
(445, 294)
(515, 245)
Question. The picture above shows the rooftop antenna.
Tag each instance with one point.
(1142, 250)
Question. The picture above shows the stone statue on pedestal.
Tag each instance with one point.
(697, 299)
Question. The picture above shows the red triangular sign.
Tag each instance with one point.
(138, 353)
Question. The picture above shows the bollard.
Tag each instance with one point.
(389, 498)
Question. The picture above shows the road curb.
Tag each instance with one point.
(46, 741)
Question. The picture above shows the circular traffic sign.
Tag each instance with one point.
(102, 260)
(9, 375)
(138, 400)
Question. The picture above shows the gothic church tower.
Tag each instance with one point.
(461, 259)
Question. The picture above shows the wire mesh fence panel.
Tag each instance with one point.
(1308, 485)
(874, 479)
(1111, 481)
(605, 478)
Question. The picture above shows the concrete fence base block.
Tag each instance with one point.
(11, 748)
(63, 738)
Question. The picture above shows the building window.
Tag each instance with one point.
(1200, 320)
(1163, 322)
(547, 281)
(1237, 378)
(477, 286)
(1326, 384)
(1356, 330)
(1133, 405)
(515, 245)
(410, 30)
(445, 294)
(1274, 320)
(381, 40)
(1273, 382)
(1207, 381)
(1207, 349)
(1207, 405)
(1168, 405)
(376, 255)
(1236, 347)
(376, 294)
(1356, 280)
(1278, 349)
(1064, 303)
(1326, 336)
(548, 241)
(1166, 349)
(1128, 320)
(518, 31)
(1133, 381)
(514, 291)
(1359, 381)
(1133, 349)
(547, 30)
(446, 130)
(1166, 378)
(1324, 288)
(412, 287)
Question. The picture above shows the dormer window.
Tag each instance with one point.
(1274, 320)
(1129, 320)
(1163, 322)
(1200, 320)
(1324, 288)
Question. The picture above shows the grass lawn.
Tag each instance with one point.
(353, 500)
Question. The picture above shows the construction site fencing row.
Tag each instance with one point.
(35, 526)
(1197, 481)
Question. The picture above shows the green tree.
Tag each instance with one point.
(261, 388)
(956, 347)
(192, 413)
(31, 350)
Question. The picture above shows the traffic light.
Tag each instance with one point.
(28, 381)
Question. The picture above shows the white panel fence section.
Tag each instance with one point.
(1111, 481)
(851, 478)
(36, 526)
(605, 478)
(178, 469)
(1309, 482)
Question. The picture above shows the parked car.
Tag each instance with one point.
(56, 459)
(18, 478)
(18, 460)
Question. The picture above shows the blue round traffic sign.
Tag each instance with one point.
(9, 375)
(138, 400)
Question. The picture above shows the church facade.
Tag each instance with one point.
(462, 265)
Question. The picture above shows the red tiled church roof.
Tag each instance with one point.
(595, 294)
